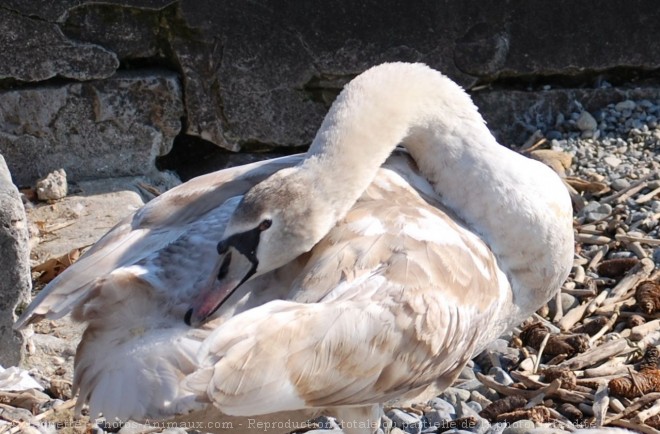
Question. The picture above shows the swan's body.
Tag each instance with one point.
(366, 283)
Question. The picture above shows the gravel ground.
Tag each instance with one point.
(555, 371)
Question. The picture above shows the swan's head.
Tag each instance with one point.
(275, 222)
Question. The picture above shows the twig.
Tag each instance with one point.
(598, 256)
(639, 272)
(601, 403)
(635, 187)
(572, 317)
(608, 325)
(596, 354)
(508, 391)
(68, 404)
(544, 342)
(628, 239)
(645, 414)
(645, 429)
(639, 332)
(637, 404)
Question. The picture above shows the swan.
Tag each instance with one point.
(329, 282)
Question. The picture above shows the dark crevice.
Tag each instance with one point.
(57, 81)
(29, 16)
(192, 156)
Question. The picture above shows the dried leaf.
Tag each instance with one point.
(53, 267)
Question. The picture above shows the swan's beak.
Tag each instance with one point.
(237, 264)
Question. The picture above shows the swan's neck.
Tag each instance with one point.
(518, 206)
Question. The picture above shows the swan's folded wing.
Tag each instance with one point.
(396, 297)
(153, 227)
(286, 356)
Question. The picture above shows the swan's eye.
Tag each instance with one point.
(265, 224)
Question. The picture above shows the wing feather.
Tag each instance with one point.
(396, 297)
(152, 228)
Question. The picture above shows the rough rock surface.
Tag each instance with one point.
(258, 75)
(32, 50)
(15, 282)
(109, 128)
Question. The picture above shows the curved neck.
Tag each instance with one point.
(499, 193)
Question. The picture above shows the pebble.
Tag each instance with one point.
(620, 184)
(586, 122)
(568, 302)
(467, 373)
(497, 428)
(612, 161)
(656, 255)
(405, 421)
(594, 211)
(519, 427)
(466, 410)
(439, 418)
(501, 376)
(625, 105)
(443, 406)
(472, 385)
(455, 395)
(475, 406)
(53, 186)
(622, 254)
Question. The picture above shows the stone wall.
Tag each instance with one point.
(102, 89)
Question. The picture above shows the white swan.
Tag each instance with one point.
(342, 281)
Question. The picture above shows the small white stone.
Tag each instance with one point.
(612, 161)
(53, 186)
